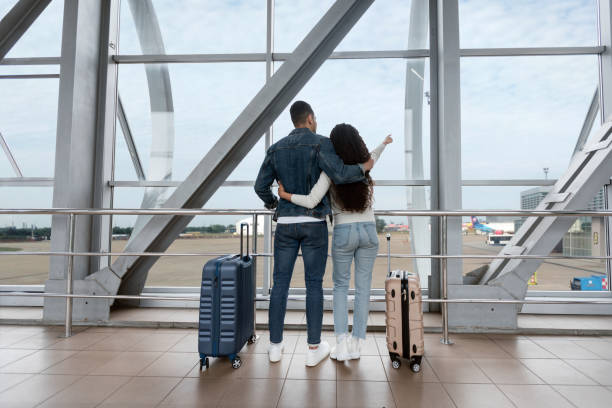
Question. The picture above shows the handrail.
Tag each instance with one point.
(72, 213)
(407, 213)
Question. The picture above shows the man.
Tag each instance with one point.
(297, 161)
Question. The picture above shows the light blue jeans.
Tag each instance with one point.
(357, 241)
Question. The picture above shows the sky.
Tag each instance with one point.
(518, 114)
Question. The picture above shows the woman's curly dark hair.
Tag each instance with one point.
(348, 144)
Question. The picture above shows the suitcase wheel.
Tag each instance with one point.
(252, 339)
(236, 362)
(204, 362)
(415, 367)
(396, 364)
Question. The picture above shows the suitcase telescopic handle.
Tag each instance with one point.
(389, 252)
(244, 224)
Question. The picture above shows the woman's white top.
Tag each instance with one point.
(320, 189)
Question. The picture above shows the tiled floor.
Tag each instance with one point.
(125, 367)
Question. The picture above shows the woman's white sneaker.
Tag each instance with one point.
(354, 347)
(340, 351)
(316, 355)
(275, 352)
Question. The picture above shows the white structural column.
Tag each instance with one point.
(84, 147)
(449, 128)
(605, 98)
(413, 137)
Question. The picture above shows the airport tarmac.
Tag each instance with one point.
(186, 271)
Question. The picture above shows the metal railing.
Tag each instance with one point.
(72, 214)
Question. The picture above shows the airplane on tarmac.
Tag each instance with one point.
(496, 229)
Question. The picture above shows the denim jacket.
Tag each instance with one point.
(297, 161)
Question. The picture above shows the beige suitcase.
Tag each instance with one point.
(404, 317)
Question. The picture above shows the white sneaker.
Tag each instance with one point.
(275, 352)
(340, 351)
(354, 347)
(315, 356)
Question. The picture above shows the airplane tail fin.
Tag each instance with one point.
(475, 220)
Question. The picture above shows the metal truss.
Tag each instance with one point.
(129, 140)
(234, 145)
(10, 157)
(17, 21)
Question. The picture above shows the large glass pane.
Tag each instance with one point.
(526, 23)
(522, 114)
(384, 26)
(204, 234)
(24, 233)
(584, 238)
(207, 98)
(200, 27)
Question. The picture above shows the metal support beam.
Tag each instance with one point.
(129, 140)
(17, 21)
(531, 51)
(10, 157)
(235, 143)
(269, 139)
(605, 99)
(84, 147)
(589, 120)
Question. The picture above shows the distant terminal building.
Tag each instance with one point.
(584, 236)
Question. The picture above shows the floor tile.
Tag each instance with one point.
(457, 370)
(81, 363)
(89, 391)
(364, 394)
(118, 341)
(598, 370)
(141, 391)
(8, 380)
(188, 344)
(79, 341)
(405, 375)
(259, 366)
(128, 363)
(157, 342)
(505, 371)
(534, 396)
(196, 392)
(479, 348)
(368, 368)
(220, 369)
(433, 348)
(325, 370)
(567, 349)
(13, 337)
(427, 395)
(305, 393)
(172, 365)
(39, 341)
(477, 396)
(254, 392)
(556, 372)
(524, 348)
(37, 361)
(587, 396)
(35, 390)
(8, 356)
(600, 347)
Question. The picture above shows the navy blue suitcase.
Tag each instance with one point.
(227, 309)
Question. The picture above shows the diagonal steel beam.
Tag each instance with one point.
(589, 120)
(17, 21)
(129, 140)
(10, 156)
(233, 146)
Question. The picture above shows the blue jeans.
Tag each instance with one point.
(359, 241)
(312, 237)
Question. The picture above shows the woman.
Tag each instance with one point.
(354, 237)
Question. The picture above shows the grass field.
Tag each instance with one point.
(186, 271)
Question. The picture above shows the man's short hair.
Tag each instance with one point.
(299, 112)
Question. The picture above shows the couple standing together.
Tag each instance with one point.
(307, 167)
